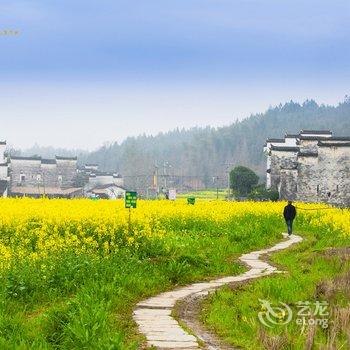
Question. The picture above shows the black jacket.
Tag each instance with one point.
(289, 212)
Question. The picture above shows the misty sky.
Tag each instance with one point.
(80, 73)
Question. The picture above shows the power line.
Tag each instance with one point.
(325, 208)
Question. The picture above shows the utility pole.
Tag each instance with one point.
(155, 180)
(164, 172)
(216, 179)
(217, 187)
(43, 175)
(165, 166)
(228, 178)
(228, 182)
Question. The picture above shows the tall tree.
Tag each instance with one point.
(243, 180)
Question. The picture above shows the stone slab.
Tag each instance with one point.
(153, 315)
(173, 345)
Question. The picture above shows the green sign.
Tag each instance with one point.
(130, 199)
(191, 200)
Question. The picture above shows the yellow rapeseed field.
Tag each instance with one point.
(33, 228)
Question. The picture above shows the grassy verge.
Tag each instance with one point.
(207, 194)
(71, 301)
(317, 270)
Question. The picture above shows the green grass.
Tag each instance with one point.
(207, 194)
(313, 274)
(70, 301)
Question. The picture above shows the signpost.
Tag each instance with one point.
(130, 202)
(172, 194)
(191, 200)
(130, 199)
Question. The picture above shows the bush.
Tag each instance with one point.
(260, 193)
(242, 180)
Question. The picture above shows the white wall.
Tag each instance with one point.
(290, 141)
(3, 172)
(2, 153)
(102, 180)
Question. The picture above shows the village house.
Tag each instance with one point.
(312, 166)
(36, 176)
(55, 178)
(102, 184)
(3, 170)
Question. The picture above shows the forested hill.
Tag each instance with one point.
(204, 152)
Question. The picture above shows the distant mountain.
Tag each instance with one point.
(51, 152)
(203, 152)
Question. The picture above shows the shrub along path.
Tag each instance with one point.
(154, 315)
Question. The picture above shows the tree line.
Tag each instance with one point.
(208, 152)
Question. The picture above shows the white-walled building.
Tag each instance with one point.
(36, 176)
(105, 185)
(313, 166)
(97, 179)
(59, 177)
(3, 161)
(3, 170)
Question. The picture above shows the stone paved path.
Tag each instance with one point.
(153, 316)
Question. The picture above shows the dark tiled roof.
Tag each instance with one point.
(91, 164)
(313, 138)
(338, 138)
(316, 132)
(2, 142)
(103, 173)
(66, 158)
(294, 136)
(48, 161)
(43, 160)
(285, 149)
(275, 140)
(24, 158)
(333, 144)
(107, 186)
(307, 154)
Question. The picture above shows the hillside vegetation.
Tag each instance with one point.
(204, 152)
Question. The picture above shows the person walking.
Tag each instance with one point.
(289, 214)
